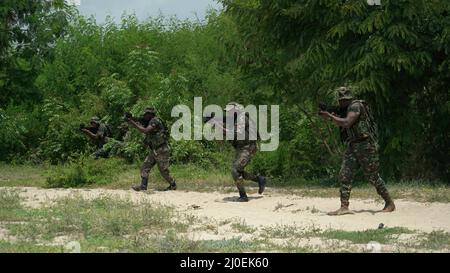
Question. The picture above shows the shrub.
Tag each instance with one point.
(85, 171)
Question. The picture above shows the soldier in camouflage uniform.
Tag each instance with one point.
(360, 137)
(99, 134)
(156, 140)
(245, 150)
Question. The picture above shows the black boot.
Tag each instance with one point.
(142, 186)
(261, 183)
(172, 187)
(243, 196)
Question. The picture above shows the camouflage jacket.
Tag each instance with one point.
(242, 129)
(364, 127)
(102, 135)
(158, 136)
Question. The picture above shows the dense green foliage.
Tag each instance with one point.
(285, 52)
(396, 54)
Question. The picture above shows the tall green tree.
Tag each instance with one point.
(396, 54)
(28, 31)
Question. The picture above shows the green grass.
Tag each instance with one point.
(435, 240)
(93, 218)
(382, 236)
(106, 224)
(23, 175)
(11, 208)
(242, 227)
(357, 237)
(24, 247)
(116, 174)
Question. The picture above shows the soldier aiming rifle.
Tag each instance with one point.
(157, 141)
(99, 133)
(359, 133)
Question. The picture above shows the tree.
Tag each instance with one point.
(28, 31)
(396, 55)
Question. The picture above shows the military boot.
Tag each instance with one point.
(342, 210)
(172, 187)
(389, 203)
(142, 186)
(242, 196)
(261, 184)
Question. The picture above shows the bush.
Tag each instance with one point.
(85, 171)
(11, 136)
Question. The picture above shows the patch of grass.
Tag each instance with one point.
(26, 247)
(85, 171)
(102, 225)
(11, 208)
(105, 216)
(212, 227)
(22, 175)
(357, 237)
(381, 236)
(231, 246)
(287, 231)
(435, 240)
(117, 174)
(242, 227)
(9, 199)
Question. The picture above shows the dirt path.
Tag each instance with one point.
(272, 208)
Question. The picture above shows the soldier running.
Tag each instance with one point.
(245, 149)
(360, 137)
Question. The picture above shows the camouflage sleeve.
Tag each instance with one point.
(156, 124)
(355, 107)
(101, 133)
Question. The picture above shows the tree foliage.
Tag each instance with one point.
(395, 54)
(59, 69)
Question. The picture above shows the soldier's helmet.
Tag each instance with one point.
(95, 119)
(344, 93)
(149, 110)
(233, 106)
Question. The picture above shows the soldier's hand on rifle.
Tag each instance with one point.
(128, 117)
(82, 127)
(325, 114)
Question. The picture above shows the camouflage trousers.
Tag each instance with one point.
(243, 156)
(160, 157)
(365, 155)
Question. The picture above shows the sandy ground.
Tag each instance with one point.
(272, 208)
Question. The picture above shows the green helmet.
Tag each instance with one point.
(344, 93)
(149, 110)
(95, 119)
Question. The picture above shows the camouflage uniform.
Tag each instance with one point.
(245, 150)
(159, 151)
(362, 151)
(102, 134)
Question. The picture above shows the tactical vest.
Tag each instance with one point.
(157, 137)
(365, 127)
(103, 133)
(242, 126)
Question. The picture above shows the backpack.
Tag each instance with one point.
(370, 121)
